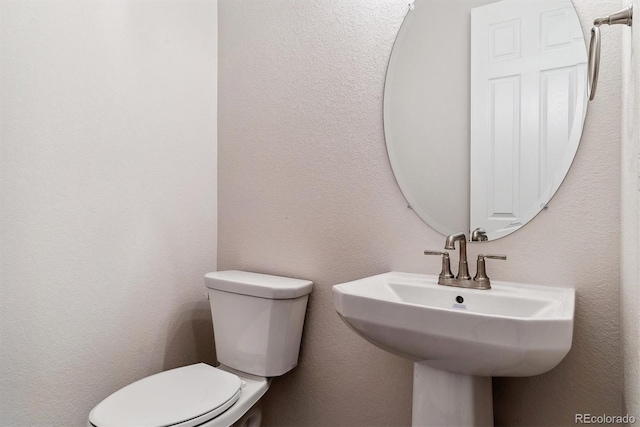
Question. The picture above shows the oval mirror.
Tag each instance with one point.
(484, 104)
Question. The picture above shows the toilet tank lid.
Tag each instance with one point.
(257, 285)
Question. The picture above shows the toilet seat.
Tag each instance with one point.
(184, 397)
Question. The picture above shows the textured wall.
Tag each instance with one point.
(107, 199)
(306, 190)
(630, 217)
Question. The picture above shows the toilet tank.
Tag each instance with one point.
(257, 320)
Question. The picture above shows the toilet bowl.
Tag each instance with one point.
(258, 323)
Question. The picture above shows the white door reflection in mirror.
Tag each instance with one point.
(529, 51)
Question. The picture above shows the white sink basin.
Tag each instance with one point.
(511, 329)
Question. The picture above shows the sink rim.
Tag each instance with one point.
(564, 310)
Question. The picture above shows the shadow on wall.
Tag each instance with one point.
(190, 337)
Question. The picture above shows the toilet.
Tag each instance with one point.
(258, 321)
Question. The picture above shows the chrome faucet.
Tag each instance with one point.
(463, 268)
(463, 279)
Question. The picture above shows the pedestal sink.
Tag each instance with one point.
(459, 338)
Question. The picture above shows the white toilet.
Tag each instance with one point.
(257, 322)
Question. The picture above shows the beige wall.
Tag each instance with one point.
(630, 218)
(306, 190)
(107, 199)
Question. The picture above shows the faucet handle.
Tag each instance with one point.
(481, 275)
(427, 252)
(501, 257)
(445, 273)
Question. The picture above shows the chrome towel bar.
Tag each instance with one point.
(625, 17)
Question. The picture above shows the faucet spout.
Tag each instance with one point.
(463, 267)
(453, 238)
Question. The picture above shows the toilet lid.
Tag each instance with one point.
(189, 395)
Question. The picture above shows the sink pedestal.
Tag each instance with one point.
(445, 399)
